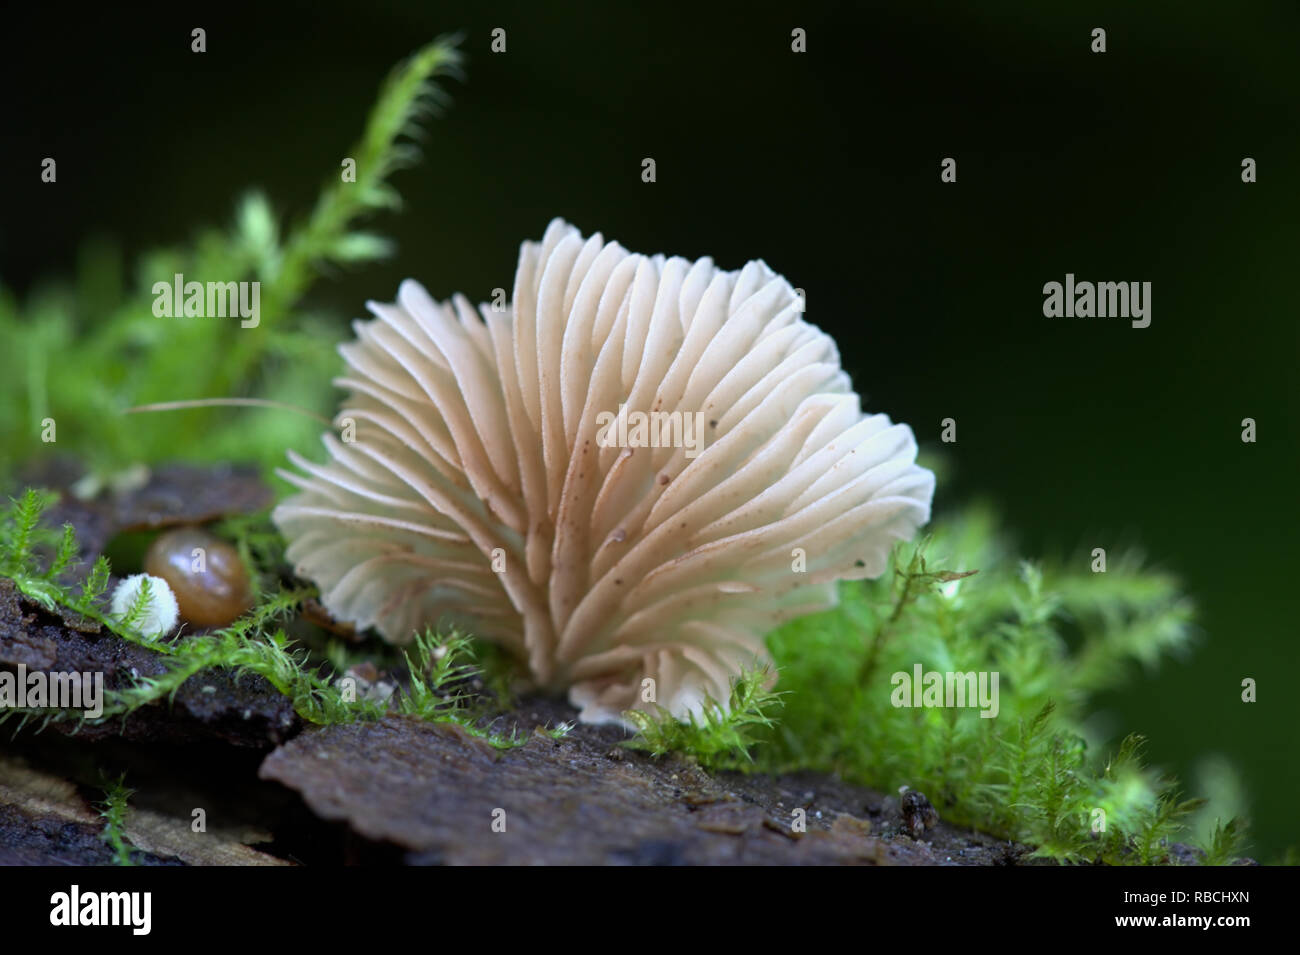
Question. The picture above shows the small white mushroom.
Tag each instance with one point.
(487, 486)
(159, 613)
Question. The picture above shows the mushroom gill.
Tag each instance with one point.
(478, 479)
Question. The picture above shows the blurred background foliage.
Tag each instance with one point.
(1086, 433)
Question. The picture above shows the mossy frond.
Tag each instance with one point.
(113, 811)
(253, 644)
(409, 93)
(22, 535)
(1054, 634)
(80, 352)
(438, 666)
(718, 737)
(1227, 842)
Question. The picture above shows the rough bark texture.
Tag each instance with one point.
(445, 796)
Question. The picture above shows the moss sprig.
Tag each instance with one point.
(256, 643)
(102, 318)
(717, 737)
(113, 810)
(1056, 634)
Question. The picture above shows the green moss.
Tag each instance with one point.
(1056, 635)
(113, 811)
(719, 737)
(438, 666)
(83, 352)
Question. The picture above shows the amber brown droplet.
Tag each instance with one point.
(204, 572)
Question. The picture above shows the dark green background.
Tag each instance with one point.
(1122, 166)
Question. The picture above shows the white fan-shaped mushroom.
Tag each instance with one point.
(614, 478)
